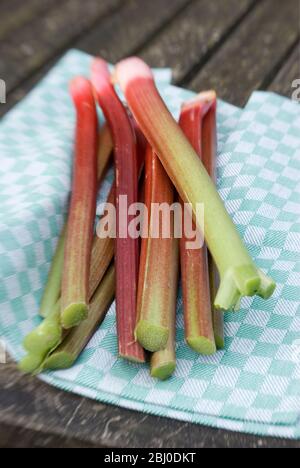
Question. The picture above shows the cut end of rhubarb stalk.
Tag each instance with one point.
(163, 371)
(129, 69)
(267, 286)
(152, 337)
(73, 315)
(59, 360)
(236, 283)
(202, 345)
(30, 363)
(220, 342)
(206, 98)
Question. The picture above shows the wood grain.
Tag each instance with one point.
(15, 14)
(253, 52)
(189, 40)
(290, 71)
(46, 36)
(31, 409)
(126, 31)
(117, 36)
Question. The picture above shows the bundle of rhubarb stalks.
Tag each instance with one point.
(157, 161)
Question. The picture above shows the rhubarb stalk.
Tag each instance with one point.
(104, 151)
(239, 276)
(158, 262)
(163, 363)
(49, 334)
(126, 250)
(209, 154)
(75, 342)
(197, 289)
(42, 340)
(82, 209)
(53, 286)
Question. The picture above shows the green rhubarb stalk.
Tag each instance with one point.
(78, 246)
(163, 363)
(239, 275)
(42, 340)
(157, 262)
(53, 286)
(49, 334)
(77, 339)
(46, 335)
(103, 248)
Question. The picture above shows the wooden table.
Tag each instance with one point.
(234, 46)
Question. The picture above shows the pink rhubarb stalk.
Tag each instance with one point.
(209, 158)
(52, 289)
(239, 276)
(127, 248)
(198, 292)
(158, 263)
(198, 321)
(75, 283)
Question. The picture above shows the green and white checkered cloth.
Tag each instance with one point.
(251, 386)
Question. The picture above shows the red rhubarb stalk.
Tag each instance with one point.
(198, 121)
(126, 252)
(239, 276)
(75, 284)
(209, 158)
(157, 262)
(197, 300)
(52, 289)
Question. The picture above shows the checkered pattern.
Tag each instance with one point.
(253, 385)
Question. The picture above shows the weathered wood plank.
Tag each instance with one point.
(252, 52)
(30, 406)
(19, 437)
(129, 29)
(14, 13)
(289, 72)
(24, 53)
(119, 35)
(189, 39)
